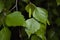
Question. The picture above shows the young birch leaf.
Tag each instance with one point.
(31, 26)
(15, 19)
(41, 32)
(30, 8)
(1, 6)
(40, 14)
(5, 34)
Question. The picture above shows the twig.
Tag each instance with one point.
(16, 5)
(13, 7)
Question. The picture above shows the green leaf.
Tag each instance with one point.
(5, 34)
(41, 32)
(1, 6)
(15, 19)
(30, 8)
(57, 21)
(34, 37)
(58, 2)
(31, 26)
(40, 14)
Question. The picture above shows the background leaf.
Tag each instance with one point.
(1, 6)
(58, 2)
(57, 21)
(9, 3)
(26, 1)
(52, 35)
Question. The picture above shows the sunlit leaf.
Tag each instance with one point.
(30, 8)
(31, 26)
(5, 34)
(15, 19)
(40, 14)
(41, 32)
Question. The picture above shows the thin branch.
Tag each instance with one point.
(13, 7)
(16, 5)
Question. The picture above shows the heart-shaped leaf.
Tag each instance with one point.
(31, 26)
(40, 14)
(5, 34)
(15, 19)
